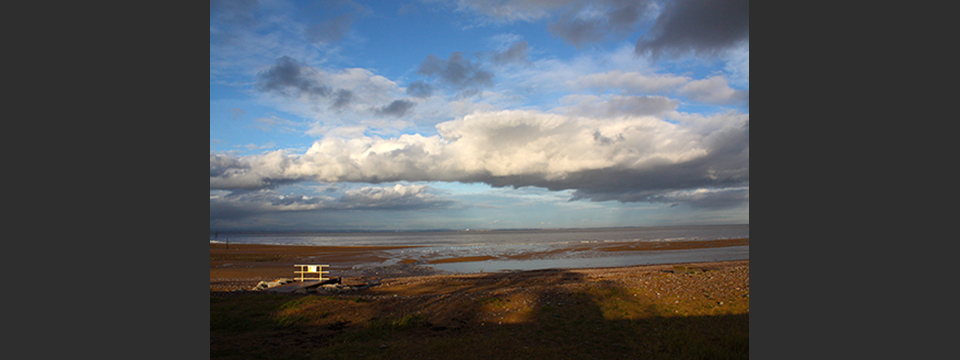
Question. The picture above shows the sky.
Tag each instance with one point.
(478, 114)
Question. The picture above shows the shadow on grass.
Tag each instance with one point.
(544, 314)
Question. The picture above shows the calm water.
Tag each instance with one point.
(489, 238)
(594, 260)
(498, 244)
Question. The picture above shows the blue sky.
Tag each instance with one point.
(482, 114)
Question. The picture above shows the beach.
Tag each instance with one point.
(395, 307)
(243, 266)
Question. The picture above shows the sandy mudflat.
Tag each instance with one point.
(242, 266)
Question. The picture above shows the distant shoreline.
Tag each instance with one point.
(350, 231)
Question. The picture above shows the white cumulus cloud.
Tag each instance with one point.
(626, 158)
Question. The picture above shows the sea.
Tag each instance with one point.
(487, 237)
(501, 243)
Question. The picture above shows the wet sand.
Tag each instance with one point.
(461, 259)
(242, 266)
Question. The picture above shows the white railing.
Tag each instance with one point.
(312, 269)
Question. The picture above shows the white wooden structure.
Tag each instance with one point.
(311, 269)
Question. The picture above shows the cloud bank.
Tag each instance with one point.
(623, 158)
(240, 204)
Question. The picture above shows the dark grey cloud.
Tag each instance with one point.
(222, 165)
(290, 78)
(703, 198)
(420, 89)
(329, 31)
(594, 21)
(518, 53)
(241, 174)
(718, 180)
(624, 14)
(342, 97)
(396, 108)
(704, 27)
(466, 77)
(722, 177)
(690, 184)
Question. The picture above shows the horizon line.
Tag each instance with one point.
(212, 231)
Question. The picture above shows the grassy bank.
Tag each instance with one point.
(643, 312)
